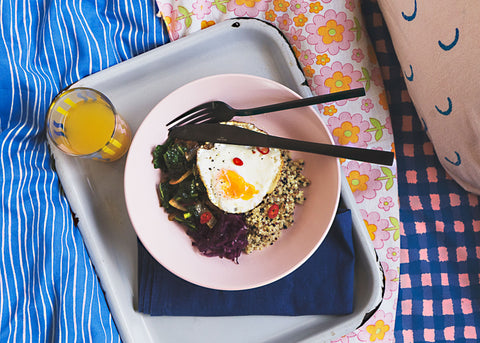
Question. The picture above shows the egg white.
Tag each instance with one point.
(258, 170)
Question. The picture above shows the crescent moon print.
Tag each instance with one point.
(411, 16)
(450, 46)
(409, 77)
(457, 162)
(448, 110)
(424, 124)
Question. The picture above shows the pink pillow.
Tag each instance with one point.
(437, 45)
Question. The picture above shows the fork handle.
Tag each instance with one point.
(314, 100)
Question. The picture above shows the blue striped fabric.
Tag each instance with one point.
(48, 288)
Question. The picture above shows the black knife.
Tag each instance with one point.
(230, 134)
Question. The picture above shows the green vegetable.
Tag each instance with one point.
(175, 160)
(170, 157)
(165, 193)
(158, 152)
(187, 191)
(186, 221)
(181, 194)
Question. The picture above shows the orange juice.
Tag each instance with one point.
(89, 126)
(83, 122)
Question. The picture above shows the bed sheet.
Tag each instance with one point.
(48, 287)
(439, 296)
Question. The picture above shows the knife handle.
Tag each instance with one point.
(351, 153)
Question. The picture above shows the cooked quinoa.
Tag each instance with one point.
(275, 212)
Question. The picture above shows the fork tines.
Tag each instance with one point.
(195, 115)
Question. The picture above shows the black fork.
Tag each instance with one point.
(218, 111)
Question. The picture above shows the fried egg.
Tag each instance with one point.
(237, 178)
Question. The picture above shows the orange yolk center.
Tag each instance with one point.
(234, 185)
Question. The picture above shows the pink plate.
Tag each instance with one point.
(167, 241)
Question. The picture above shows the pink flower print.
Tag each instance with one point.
(346, 338)
(201, 8)
(391, 280)
(247, 8)
(330, 32)
(170, 16)
(393, 254)
(295, 37)
(380, 327)
(337, 77)
(385, 203)
(367, 104)
(326, 1)
(166, 10)
(375, 226)
(388, 125)
(362, 180)
(298, 6)
(350, 5)
(349, 129)
(357, 55)
(307, 57)
(284, 22)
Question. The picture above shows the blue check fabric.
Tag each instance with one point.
(439, 294)
(48, 287)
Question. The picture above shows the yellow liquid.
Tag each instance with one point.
(89, 126)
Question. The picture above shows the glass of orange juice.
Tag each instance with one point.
(83, 122)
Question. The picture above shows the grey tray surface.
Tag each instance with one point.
(95, 189)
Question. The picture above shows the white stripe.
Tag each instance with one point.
(19, 265)
(41, 254)
(80, 23)
(119, 17)
(64, 43)
(129, 26)
(98, 304)
(41, 92)
(20, 200)
(67, 28)
(5, 217)
(74, 289)
(64, 286)
(84, 297)
(43, 75)
(106, 38)
(53, 316)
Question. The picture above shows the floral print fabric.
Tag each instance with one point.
(331, 45)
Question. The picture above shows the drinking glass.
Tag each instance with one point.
(83, 122)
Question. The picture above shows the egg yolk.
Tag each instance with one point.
(234, 185)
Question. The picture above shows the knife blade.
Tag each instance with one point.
(230, 134)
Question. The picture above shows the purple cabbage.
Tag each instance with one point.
(228, 238)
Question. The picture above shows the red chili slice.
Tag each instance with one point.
(273, 211)
(237, 161)
(205, 217)
(263, 151)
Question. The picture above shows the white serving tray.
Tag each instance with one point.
(95, 189)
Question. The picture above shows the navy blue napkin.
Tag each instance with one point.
(322, 285)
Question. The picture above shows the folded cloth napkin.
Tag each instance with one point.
(322, 285)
